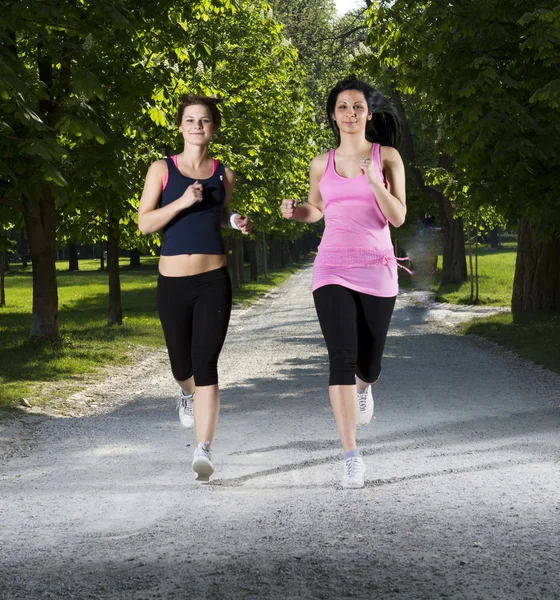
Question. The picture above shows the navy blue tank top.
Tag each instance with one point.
(197, 229)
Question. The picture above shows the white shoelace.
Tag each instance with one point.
(362, 399)
(353, 467)
(186, 402)
(204, 449)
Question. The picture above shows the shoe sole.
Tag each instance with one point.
(203, 469)
(352, 486)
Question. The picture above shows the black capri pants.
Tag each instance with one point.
(355, 328)
(194, 312)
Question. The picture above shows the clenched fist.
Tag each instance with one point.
(192, 195)
(244, 224)
(288, 208)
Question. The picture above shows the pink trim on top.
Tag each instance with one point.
(166, 178)
(176, 163)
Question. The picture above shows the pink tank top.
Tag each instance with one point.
(356, 249)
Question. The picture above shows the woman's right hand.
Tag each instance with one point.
(288, 208)
(192, 195)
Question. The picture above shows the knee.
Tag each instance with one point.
(181, 371)
(206, 373)
(368, 373)
(342, 367)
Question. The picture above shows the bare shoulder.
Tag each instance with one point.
(159, 167)
(390, 155)
(230, 173)
(318, 165)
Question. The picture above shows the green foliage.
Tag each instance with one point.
(487, 71)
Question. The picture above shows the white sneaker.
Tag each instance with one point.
(202, 462)
(185, 408)
(365, 405)
(354, 470)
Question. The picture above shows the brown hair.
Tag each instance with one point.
(210, 103)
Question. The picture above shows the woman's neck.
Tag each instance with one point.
(351, 146)
(194, 156)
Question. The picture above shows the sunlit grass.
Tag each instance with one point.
(88, 345)
(496, 267)
(534, 337)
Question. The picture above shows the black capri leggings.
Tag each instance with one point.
(355, 328)
(194, 312)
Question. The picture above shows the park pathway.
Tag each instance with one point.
(461, 501)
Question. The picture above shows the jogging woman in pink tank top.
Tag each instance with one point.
(359, 188)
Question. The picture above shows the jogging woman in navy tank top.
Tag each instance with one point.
(359, 187)
(187, 196)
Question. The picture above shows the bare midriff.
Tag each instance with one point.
(182, 265)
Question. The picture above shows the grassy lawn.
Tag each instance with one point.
(534, 337)
(43, 372)
(496, 267)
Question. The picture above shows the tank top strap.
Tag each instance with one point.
(170, 164)
(376, 158)
(376, 154)
(330, 162)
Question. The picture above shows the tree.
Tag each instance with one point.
(489, 72)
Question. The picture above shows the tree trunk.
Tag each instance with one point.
(3, 263)
(262, 253)
(253, 252)
(23, 248)
(239, 250)
(236, 260)
(276, 253)
(102, 257)
(40, 224)
(282, 254)
(115, 299)
(536, 285)
(73, 257)
(495, 237)
(135, 259)
(477, 280)
(469, 243)
(454, 259)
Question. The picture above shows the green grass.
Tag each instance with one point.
(46, 373)
(495, 279)
(533, 337)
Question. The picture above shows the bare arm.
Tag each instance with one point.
(151, 218)
(312, 210)
(391, 199)
(229, 183)
(243, 224)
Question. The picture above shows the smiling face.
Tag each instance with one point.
(351, 111)
(197, 125)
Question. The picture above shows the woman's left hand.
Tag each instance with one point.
(244, 224)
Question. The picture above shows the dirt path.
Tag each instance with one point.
(462, 486)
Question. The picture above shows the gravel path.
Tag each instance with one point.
(461, 501)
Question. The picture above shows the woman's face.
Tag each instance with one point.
(197, 126)
(351, 111)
